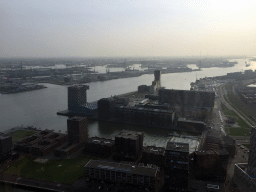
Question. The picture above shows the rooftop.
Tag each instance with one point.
(76, 118)
(154, 150)
(127, 168)
(101, 141)
(177, 146)
(129, 134)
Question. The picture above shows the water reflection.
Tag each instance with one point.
(152, 135)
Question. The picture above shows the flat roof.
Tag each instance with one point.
(154, 150)
(177, 146)
(119, 167)
(101, 141)
(76, 118)
(129, 134)
(190, 121)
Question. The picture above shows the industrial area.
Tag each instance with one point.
(152, 106)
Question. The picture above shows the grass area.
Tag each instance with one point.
(239, 121)
(238, 131)
(242, 123)
(21, 134)
(237, 103)
(63, 171)
(247, 146)
(226, 111)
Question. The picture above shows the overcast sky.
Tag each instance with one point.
(63, 28)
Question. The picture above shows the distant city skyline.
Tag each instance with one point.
(32, 28)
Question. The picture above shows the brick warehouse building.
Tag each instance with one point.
(77, 136)
(41, 143)
(77, 129)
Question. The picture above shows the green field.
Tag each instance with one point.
(65, 171)
(226, 111)
(238, 131)
(237, 103)
(239, 121)
(21, 134)
(243, 128)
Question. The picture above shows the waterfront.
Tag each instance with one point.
(38, 108)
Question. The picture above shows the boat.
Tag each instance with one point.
(129, 69)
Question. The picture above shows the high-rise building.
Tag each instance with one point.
(176, 169)
(77, 129)
(77, 96)
(129, 145)
(106, 107)
(252, 153)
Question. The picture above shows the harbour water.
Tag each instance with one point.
(38, 108)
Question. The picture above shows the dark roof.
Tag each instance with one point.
(129, 134)
(126, 168)
(76, 118)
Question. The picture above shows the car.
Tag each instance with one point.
(100, 187)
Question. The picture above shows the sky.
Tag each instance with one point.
(127, 28)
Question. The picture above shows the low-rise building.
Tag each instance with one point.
(143, 176)
(41, 143)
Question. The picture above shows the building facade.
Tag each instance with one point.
(143, 176)
(129, 145)
(252, 153)
(5, 147)
(145, 116)
(77, 129)
(153, 155)
(77, 101)
(176, 169)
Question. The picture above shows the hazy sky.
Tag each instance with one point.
(62, 28)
